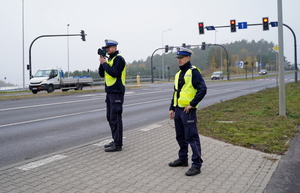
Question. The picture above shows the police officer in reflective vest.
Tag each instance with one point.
(114, 72)
(189, 90)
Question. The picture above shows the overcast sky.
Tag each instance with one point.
(140, 26)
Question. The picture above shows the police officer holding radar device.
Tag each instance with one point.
(113, 70)
(189, 90)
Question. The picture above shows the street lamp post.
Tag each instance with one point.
(68, 50)
(162, 55)
(260, 64)
(23, 64)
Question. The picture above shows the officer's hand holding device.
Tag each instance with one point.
(102, 54)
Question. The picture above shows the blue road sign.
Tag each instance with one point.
(210, 27)
(240, 64)
(242, 25)
(274, 24)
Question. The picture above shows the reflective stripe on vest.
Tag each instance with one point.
(187, 92)
(109, 80)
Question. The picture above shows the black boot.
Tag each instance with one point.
(113, 148)
(178, 162)
(193, 171)
(109, 144)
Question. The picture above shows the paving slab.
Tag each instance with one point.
(142, 166)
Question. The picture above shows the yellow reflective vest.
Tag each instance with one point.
(109, 80)
(187, 92)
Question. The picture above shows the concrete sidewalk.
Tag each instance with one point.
(141, 167)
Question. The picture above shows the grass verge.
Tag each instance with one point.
(252, 120)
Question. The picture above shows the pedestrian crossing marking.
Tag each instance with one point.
(41, 162)
(102, 143)
(150, 127)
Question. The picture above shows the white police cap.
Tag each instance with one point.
(109, 43)
(183, 52)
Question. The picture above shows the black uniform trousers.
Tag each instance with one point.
(187, 133)
(114, 109)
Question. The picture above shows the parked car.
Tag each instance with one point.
(263, 72)
(217, 75)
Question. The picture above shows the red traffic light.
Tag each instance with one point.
(232, 22)
(201, 27)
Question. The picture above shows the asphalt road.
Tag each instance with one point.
(286, 176)
(37, 126)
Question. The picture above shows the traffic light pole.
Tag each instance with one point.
(295, 50)
(29, 66)
(228, 73)
(152, 63)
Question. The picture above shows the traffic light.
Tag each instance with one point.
(184, 45)
(203, 46)
(88, 70)
(166, 48)
(82, 35)
(232, 26)
(201, 28)
(265, 21)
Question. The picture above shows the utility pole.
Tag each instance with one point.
(282, 106)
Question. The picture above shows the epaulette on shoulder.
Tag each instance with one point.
(194, 68)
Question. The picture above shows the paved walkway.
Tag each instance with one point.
(141, 167)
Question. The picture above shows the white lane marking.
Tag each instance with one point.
(48, 118)
(77, 101)
(42, 162)
(102, 143)
(150, 127)
(101, 94)
(79, 113)
(128, 93)
(48, 104)
(91, 95)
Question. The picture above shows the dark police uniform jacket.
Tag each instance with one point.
(114, 71)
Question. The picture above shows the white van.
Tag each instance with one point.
(218, 75)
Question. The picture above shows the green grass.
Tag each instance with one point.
(252, 120)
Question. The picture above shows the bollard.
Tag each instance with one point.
(138, 80)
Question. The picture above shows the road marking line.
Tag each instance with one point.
(79, 113)
(77, 101)
(49, 118)
(91, 95)
(150, 127)
(42, 162)
(41, 105)
(102, 143)
(128, 93)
